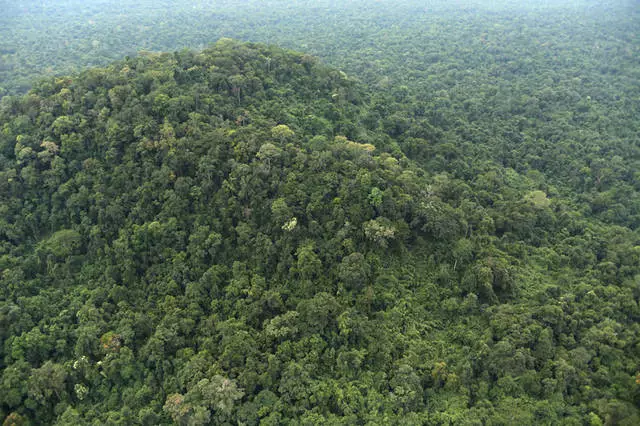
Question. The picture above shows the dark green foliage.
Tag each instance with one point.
(244, 235)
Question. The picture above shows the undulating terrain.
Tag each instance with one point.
(425, 213)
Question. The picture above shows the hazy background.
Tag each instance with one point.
(361, 36)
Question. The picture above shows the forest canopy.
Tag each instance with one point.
(444, 233)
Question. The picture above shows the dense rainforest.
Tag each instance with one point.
(424, 214)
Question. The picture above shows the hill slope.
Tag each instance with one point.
(223, 236)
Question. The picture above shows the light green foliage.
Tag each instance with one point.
(380, 231)
(538, 199)
(81, 391)
(62, 243)
(290, 225)
(375, 197)
(282, 132)
(207, 400)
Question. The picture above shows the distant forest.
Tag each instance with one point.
(319, 212)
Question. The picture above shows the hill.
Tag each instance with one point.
(236, 236)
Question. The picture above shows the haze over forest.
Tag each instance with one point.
(320, 212)
(363, 36)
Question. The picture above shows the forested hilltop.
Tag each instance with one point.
(237, 236)
(428, 217)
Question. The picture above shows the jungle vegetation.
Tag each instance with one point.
(343, 214)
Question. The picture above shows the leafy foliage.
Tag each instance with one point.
(244, 235)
